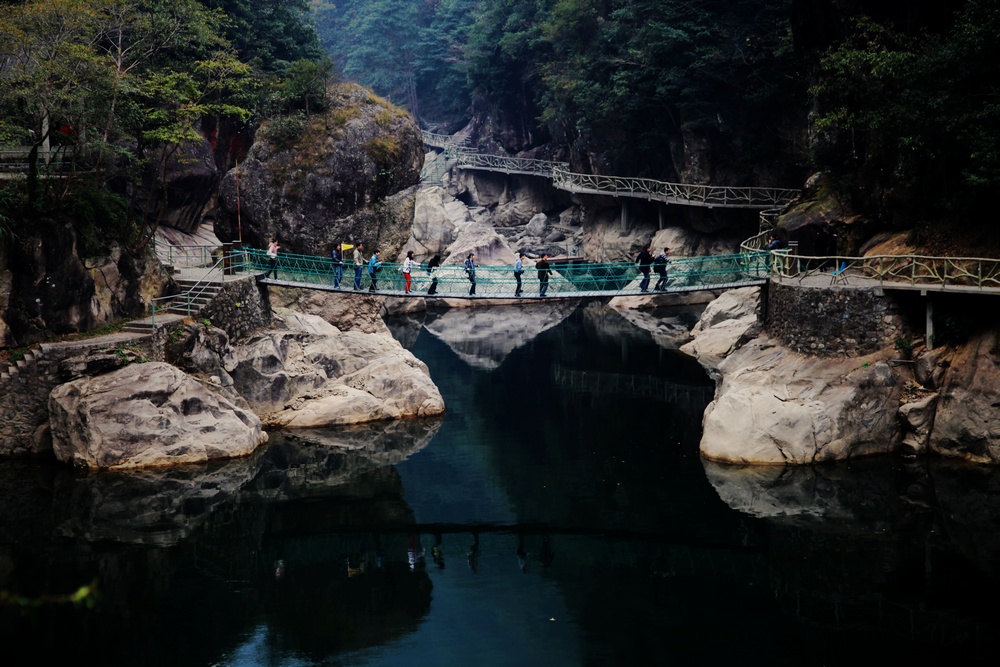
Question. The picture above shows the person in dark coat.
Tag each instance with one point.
(431, 268)
(543, 274)
(644, 260)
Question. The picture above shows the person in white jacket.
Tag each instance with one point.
(408, 265)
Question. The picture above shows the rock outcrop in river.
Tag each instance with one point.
(146, 415)
(776, 405)
(313, 374)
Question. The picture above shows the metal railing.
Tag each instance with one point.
(186, 256)
(567, 280)
(15, 158)
(233, 262)
(443, 140)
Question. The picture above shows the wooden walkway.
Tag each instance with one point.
(710, 196)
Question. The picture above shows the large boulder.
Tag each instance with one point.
(357, 312)
(775, 406)
(723, 323)
(967, 423)
(437, 217)
(313, 374)
(489, 247)
(330, 177)
(147, 415)
(686, 242)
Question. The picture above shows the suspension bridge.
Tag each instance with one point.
(567, 279)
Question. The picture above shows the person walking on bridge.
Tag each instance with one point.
(374, 266)
(408, 265)
(543, 274)
(337, 258)
(359, 262)
(518, 272)
(431, 268)
(272, 253)
(470, 271)
(644, 260)
(660, 263)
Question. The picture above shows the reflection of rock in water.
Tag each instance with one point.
(864, 492)
(163, 506)
(648, 387)
(668, 327)
(483, 337)
(309, 461)
(878, 544)
(406, 328)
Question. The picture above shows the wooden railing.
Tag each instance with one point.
(673, 193)
(508, 165)
(617, 186)
(16, 158)
(959, 273)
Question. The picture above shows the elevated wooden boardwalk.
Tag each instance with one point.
(710, 196)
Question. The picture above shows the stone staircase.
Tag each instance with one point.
(194, 297)
(30, 359)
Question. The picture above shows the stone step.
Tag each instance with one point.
(21, 363)
(189, 282)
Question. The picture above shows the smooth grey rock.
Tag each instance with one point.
(967, 422)
(537, 225)
(489, 247)
(317, 375)
(147, 415)
(437, 217)
(775, 406)
(723, 323)
(917, 419)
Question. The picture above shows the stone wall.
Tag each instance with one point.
(240, 308)
(833, 321)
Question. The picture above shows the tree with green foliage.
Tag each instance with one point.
(274, 33)
(118, 85)
(909, 115)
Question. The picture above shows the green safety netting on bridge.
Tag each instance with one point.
(569, 278)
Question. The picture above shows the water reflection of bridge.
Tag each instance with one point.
(637, 386)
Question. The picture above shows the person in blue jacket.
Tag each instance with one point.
(374, 266)
(337, 259)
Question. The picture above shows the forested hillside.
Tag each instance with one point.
(104, 94)
(897, 101)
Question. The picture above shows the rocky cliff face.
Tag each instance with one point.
(346, 175)
(47, 288)
(780, 402)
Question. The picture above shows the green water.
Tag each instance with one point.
(557, 515)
